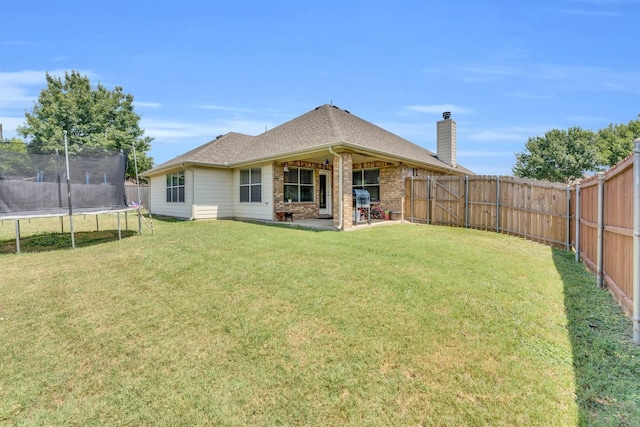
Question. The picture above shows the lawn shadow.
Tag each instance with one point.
(45, 242)
(605, 359)
(291, 226)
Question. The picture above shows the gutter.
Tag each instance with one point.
(443, 167)
(340, 191)
(162, 168)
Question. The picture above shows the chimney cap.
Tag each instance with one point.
(446, 115)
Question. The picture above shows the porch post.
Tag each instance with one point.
(347, 184)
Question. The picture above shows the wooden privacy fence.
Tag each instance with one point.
(131, 191)
(603, 229)
(598, 216)
(535, 210)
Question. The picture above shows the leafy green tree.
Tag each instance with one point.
(615, 143)
(96, 119)
(14, 145)
(558, 156)
(14, 160)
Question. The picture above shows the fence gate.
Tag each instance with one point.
(531, 209)
(448, 201)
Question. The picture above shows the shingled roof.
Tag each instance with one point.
(324, 127)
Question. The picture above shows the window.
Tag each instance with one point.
(251, 185)
(175, 187)
(298, 185)
(368, 179)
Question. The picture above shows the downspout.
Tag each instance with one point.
(193, 194)
(340, 192)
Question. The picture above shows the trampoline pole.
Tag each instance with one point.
(66, 155)
(17, 236)
(135, 163)
(119, 232)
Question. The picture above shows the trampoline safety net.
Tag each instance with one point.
(36, 184)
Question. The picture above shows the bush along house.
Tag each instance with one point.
(307, 168)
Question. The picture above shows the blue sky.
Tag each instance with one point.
(506, 70)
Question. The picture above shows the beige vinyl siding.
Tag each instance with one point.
(158, 197)
(212, 193)
(263, 210)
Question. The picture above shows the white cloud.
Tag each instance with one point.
(178, 131)
(476, 154)
(29, 77)
(15, 42)
(20, 88)
(225, 108)
(440, 108)
(175, 130)
(499, 170)
(147, 104)
(595, 13)
(598, 121)
(518, 134)
(9, 125)
(528, 95)
(551, 78)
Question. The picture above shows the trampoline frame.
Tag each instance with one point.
(62, 212)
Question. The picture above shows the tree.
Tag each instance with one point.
(558, 156)
(13, 145)
(95, 120)
(14, 159)
(616, 142)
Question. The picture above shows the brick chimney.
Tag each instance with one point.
(446, 137)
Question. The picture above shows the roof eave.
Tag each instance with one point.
(183, 165)
(286, 154)
(304, 151)
(344, 144)
(408, 160)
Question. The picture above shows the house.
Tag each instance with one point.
(307, 166)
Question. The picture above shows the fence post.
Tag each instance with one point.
(412, 199)
(568, 231)
(497, 204)
(466, 202)
(428, 200)
(578, 219)
(636, 241)
(600, 246)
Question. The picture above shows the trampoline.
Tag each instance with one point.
(51, 185)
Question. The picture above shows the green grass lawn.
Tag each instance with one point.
(230, 323)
